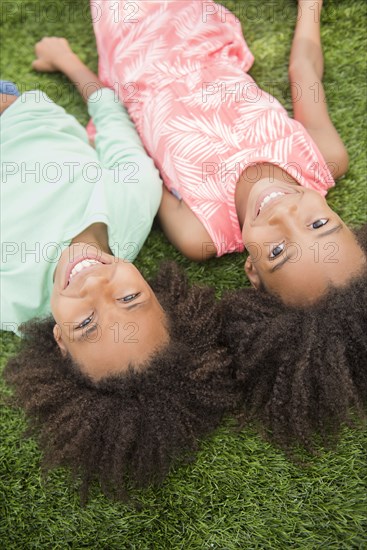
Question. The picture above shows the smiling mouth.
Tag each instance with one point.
(269, 198)
(83, 264)
(78, 267)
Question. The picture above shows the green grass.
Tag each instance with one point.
(241, 492)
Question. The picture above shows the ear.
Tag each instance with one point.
(252, 274)
(59, 341)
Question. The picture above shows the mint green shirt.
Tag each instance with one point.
(54, 185)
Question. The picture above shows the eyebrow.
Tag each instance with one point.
(81, 337)
(280, 264)
(332, 230)
(135, 305)
(320, 235)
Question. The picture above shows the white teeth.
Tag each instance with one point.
(270, 197)
(82, 265)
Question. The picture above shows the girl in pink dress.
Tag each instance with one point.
(239, 172)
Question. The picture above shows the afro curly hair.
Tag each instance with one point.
(126, 430)
(301, 371)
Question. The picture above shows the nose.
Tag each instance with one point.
(95, 285)
(284, 211)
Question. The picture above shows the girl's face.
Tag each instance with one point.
(297, 245)
(107, 316)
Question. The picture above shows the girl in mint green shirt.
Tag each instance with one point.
(119, 379)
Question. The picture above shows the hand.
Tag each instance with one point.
(54, 54)
(51, 53)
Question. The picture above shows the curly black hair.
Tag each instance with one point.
(301, 371)
(126, 430)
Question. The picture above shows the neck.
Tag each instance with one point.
(95, 234)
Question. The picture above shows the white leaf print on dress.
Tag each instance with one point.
(202, 146)
(156, 112)
(199, 137)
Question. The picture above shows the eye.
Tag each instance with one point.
(319, 223)
(86, 322)
(129, 298)
(276, 251)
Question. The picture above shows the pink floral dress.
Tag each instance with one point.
(180, 67)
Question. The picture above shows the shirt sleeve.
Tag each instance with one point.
(117, 140)
(135, 189)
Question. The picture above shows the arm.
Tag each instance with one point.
(184, 230)
(306, 68)
(117, 140)
(55, 55)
